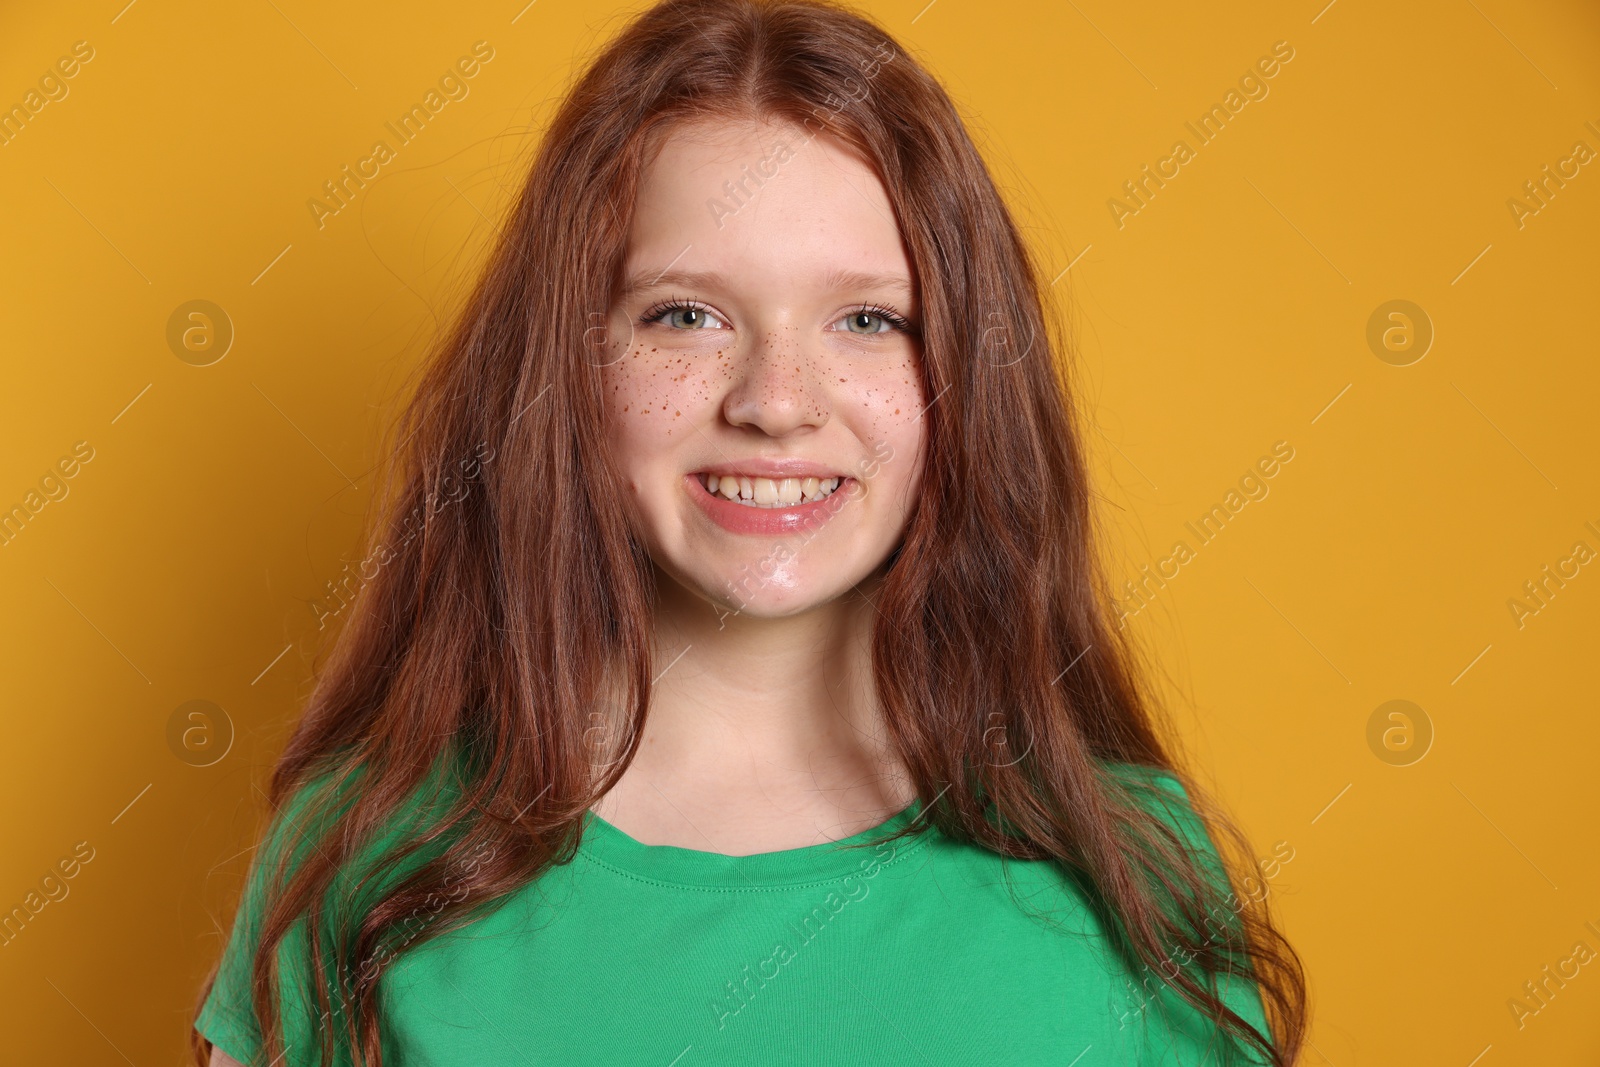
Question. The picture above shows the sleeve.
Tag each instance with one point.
(1173, 1032)
(228, 1018)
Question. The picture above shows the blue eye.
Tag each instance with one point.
(873, 319)
(681, 315)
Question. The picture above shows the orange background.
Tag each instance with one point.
(1228, 313)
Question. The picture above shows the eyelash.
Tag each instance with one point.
(887, 314)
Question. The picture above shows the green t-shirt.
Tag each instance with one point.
(911, 952)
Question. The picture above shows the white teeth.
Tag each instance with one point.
(770, 492)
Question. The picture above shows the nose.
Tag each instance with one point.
(776, 388)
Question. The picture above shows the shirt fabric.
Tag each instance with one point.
(923, 951)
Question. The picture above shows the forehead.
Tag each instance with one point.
(762, 201)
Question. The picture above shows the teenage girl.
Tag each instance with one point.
(732, 677)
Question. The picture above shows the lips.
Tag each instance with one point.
(776, 516)
(758, 492)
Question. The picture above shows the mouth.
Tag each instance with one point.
(760, 492)
(743, 503)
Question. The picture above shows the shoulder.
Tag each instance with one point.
(320, 805)
(1183, 1034)
(307, 821)
(1163, 794)
(1142, 772)
(1159, 789)
(312, 820)
(307, 809)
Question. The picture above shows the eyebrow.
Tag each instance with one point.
(833, 281)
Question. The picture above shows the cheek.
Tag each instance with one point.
(884, 408)
(659, 391)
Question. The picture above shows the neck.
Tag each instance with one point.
(763, 733)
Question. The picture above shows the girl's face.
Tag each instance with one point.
(763, 392)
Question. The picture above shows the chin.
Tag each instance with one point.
(777, 596)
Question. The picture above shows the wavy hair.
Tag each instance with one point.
(484, 633)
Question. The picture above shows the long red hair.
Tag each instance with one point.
(508, 590)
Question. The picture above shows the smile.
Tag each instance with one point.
(756, 492)
(749, 504)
